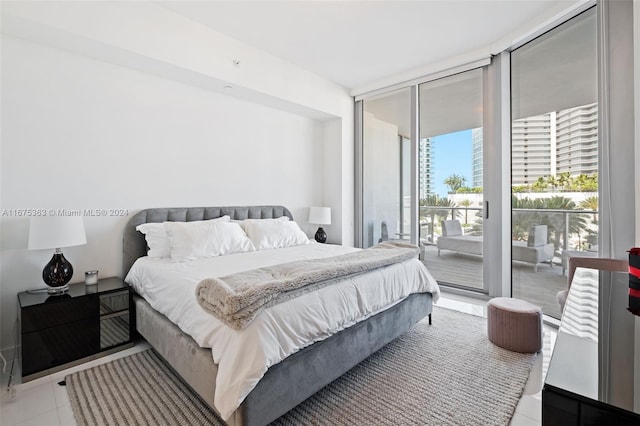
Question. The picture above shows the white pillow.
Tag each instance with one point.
(230, 238)
(243, 222)
(270, 234)
(158, 240)
(195, 240)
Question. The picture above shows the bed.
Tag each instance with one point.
(299, 375)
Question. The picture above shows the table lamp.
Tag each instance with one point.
(55, 232)
(320, 216)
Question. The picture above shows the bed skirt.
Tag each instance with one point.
(293, 380)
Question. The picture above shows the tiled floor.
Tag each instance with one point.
(529, 409)
(44, 402)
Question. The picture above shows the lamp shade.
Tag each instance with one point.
(47, 232)
(320, 215)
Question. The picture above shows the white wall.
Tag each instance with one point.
(122, 105)
(381, 178)
(147, 35)
(332, 175)
(78, 133)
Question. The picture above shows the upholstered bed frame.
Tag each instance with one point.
(293, 380)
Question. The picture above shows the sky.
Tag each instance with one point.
(452, 155)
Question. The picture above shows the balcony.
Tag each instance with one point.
(538, 287)
(570, 231)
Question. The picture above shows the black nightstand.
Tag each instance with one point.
(85, 323)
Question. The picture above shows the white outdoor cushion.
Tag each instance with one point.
(537, 236)
(451, 228)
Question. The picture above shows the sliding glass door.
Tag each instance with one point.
(523, 133)
(427, 190)
(554, 158)
(386, 168)
(451, 179)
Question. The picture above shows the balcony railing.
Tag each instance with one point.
(568, 229)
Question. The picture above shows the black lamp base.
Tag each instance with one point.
(321, 236)
(57, 274)
(57, 291)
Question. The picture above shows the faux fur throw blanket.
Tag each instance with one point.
(237, 299)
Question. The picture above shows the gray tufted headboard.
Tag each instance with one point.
(135, 246)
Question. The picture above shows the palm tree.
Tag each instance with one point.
(434, 206)
(564, 180)
(586, 183)
(580, 181)
(466, 203)
(591, 183)
(455, 182)
(591, 203)
(553, 182)
(540, 185)
(522, 221)
(576, 225)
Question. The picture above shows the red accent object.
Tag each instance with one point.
(634, 278)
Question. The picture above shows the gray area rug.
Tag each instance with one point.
(444, 374)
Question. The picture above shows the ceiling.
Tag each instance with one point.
(358, 44)
(555, 71)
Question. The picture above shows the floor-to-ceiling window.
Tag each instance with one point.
(554, 158)
(421, 151)
(567, 121)
(386, 158)
(451, 178)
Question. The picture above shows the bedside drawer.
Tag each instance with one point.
(50, 347)
(58, 311)
(115, 330)
(114, 302)
(115, 327)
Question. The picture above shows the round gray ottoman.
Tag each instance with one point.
(514, 324)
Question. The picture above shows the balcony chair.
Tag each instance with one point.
(536, 249)
(599, 263)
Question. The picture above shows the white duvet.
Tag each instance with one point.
(244, 356)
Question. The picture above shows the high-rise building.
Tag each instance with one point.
(541, 146)
(533, 145)
(425, 166)
(553, 143)
(577, 140)
(476, 157)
